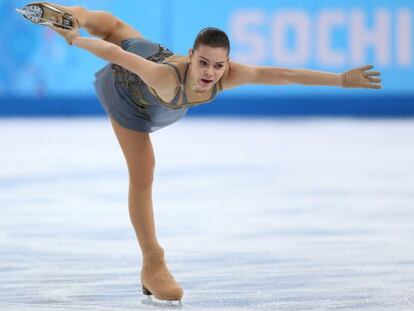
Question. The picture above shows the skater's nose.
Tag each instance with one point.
(209, 73)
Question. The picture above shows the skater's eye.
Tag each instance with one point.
(203, 63)
(219, 66)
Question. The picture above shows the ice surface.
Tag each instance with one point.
(254, 214)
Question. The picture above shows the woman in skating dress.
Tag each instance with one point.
(146, 87)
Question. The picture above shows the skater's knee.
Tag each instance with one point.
(141, 179)
(141, 174)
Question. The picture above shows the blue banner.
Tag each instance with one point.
(329, 35)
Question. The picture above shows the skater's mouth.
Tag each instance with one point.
(206, 81)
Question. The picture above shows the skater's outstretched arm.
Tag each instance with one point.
(155, 75)
(239, 74)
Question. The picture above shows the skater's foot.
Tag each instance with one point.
(157, 280)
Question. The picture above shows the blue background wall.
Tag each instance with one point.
(41, 75)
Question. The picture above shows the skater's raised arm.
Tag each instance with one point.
(153, 74)
(239, 74)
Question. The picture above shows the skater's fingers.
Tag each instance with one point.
(366, 67)
(373, 73)
(66, 34)
(57, 29)
(374, 86)
(375, 80)
(75, 23)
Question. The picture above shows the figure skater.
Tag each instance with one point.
(146, 87)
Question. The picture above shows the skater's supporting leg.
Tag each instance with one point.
(101, 24)
(139, 154)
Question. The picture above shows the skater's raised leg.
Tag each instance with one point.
(101, 24)
(139, 155)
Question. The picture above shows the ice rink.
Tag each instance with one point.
(253, 214)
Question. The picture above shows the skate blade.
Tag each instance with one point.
(21, 11)
(163, 304)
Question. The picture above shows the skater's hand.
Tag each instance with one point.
(362, 78)
(69, 35)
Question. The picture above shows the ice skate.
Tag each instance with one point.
(46, 14)
(157, 281)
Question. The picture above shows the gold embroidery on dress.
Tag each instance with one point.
(132, 83)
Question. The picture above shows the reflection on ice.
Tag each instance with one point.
(152, 301)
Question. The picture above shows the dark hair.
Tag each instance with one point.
(212, 37)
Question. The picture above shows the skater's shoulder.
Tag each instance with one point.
(180, 62)
(177, 60)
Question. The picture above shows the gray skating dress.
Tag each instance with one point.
(128, 100)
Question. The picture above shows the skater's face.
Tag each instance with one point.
(208, 65)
